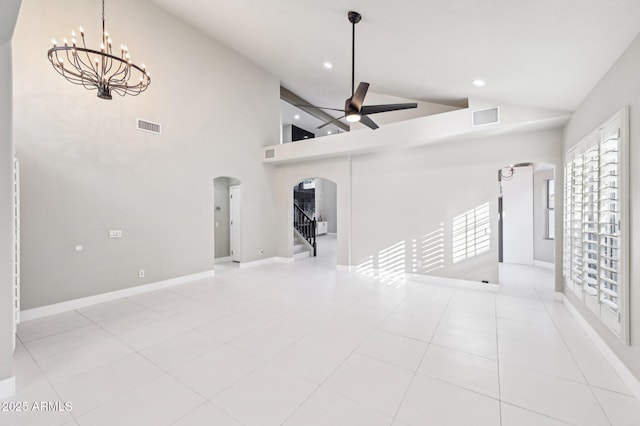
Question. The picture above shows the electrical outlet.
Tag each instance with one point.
(261, 251)
(115, 233)
(141, 273)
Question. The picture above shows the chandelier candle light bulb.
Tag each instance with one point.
(112, 76)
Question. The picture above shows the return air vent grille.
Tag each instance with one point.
(270, 153)
(482, 117)
(148, 126)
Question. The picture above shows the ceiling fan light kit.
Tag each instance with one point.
(353, 117)
(99, 69)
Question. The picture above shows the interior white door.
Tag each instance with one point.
(517, 217)
(235, 198)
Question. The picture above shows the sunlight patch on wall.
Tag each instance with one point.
(428, 251)
(391, 262)
(366, 268)
(471, 233)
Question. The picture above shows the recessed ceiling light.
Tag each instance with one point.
(328, 65)
(297, 117)
(479, 83)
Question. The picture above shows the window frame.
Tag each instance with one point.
(587, 263)
(550, 211)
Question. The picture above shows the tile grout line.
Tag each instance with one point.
(404, 396)
(341, 363)
(73, 417)
(498, 361)
(573, 357)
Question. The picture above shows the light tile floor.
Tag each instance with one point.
(302, 344)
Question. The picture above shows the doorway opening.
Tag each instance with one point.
(526, 216)
(227, 198)
(315, 220)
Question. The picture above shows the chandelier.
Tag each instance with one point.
(101, 69)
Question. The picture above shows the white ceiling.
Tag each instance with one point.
(541, 53)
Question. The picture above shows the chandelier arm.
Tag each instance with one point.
(70, 77)
(109, 64)
(123, 69)
(75, 60)
(85, 69)
(79, 63)
(59, 66)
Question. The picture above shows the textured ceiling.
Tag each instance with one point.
(543, 53)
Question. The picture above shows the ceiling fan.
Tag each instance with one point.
(353, 110)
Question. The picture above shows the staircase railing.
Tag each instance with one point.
(306, 226)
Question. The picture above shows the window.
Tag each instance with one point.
(595, 245)
(550, 209)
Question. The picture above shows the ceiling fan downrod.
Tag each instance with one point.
(354, 18)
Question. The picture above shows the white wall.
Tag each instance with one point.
(387, 200)
(329, 207)
(543, 248)
(87, 170)
(517, 217)
(618, 88)
(412, 196)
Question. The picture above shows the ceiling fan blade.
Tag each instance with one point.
(375, 109)
(330, 122)
(368, 122)
(358, 97)
(317, 107)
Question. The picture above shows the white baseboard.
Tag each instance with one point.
(222, 259)
(454, 282)
(70, 305)
(625, 374)
(276, 259)
(430, 279)
(7, 387)
(557, 296)
(541, 264)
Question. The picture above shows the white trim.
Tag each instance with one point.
(332, 233)
(454, 282)
(557, 296)
(222, 259)
(343, 268)
(627, 376)
(7, 387)
(275, 259)
(541, 264)
(70, 305)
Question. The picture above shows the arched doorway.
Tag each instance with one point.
(227, 198)
(315, 220)
(526, 215)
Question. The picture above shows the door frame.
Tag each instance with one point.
(235, 223)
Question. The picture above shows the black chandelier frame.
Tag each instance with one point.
(106, 73)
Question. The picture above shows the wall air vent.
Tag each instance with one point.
(270, 153)
(148, 126)
(482, 117)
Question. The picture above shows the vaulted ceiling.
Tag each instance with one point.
(543, 53)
